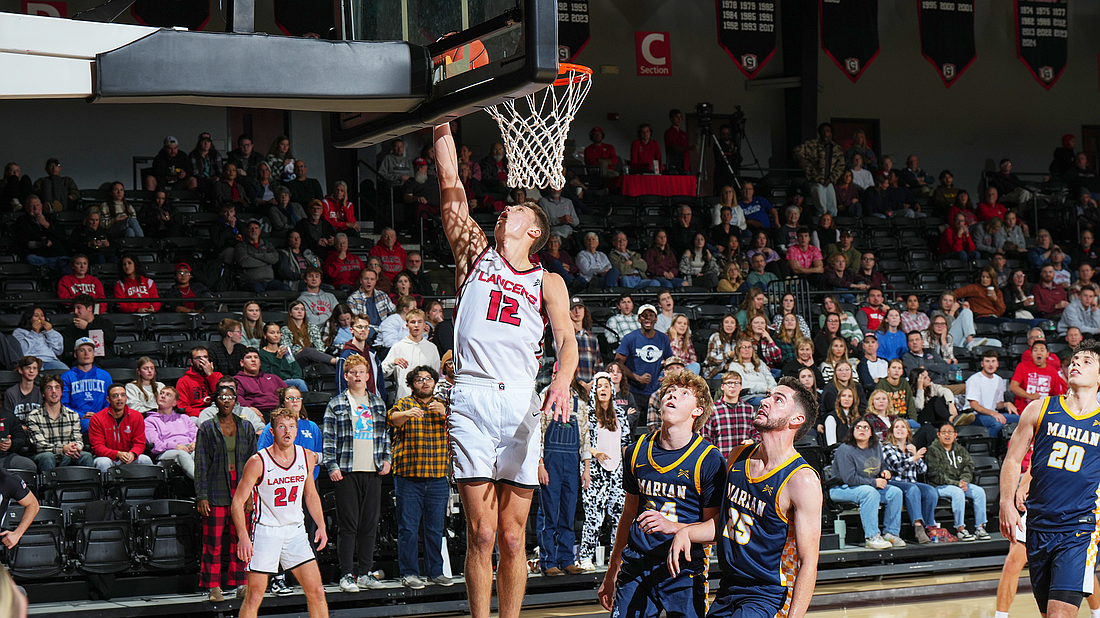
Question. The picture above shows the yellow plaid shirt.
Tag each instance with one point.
(420, 446)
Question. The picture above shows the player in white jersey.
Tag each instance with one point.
(279, 480)
(494, 420)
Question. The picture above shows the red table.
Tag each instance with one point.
(648, 184)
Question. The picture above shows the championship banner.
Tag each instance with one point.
(1042, 38)
(849, 34)
(947, 37)
(191, 14)
(746, 30)
(573, 32)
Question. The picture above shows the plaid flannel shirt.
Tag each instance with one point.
(420, 445)
(212, 460)
(901, 465)
(48, 435)
(619, 326)
(338, 429)
(718, 355)
(588, 356)
(730, 425)
(358, 303)
(769, 352)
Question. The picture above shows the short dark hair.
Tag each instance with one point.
(1089, 346)
(200, 348)
(823, 125)
(1042, 342)
(417, 371)
(27, 361)
(624, 296)
(672, 112)
(991, 354)
(805, 399)
(115, 385)
(914, 332)
(312, 270)
(84, 300)
(251, 350)
(52, 377)
(802, 230)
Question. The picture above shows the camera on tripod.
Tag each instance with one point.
(704, 113)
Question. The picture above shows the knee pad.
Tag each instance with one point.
(1070, 597)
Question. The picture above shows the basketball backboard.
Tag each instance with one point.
(481, 52)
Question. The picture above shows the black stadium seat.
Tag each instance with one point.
(69, 486)
(168, 534)
(41, 551)
(101, 546)
(137, 482)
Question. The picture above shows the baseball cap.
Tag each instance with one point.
(168, 141)
(204, 135)
(183, 266)
(575, 302)
(83, 341)
(417, 162)
(53, 161)
(596, 128)
(871, 335)
(647, 307)
(845, 232)
(672, 360)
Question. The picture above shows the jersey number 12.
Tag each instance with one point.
(502, 308)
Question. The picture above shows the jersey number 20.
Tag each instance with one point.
(506, 313)
(281, 499)
(1066, 457)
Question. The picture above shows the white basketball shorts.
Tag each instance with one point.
(494, 431)
(275, 546)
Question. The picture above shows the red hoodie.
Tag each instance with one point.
(196, 391)
(109, 435)
(393, 260)
(137, 288)
(339, 216)
(70, 287)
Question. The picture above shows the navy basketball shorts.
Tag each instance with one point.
(1062, 565)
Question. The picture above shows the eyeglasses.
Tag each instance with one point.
(422, 379)
(227, 397)
(359, 327)
(947, 433)
(293, 398)
(732, 383)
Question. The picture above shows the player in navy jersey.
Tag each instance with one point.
(1064, 496)
(769, 527)
(504, 302)
(672, 478)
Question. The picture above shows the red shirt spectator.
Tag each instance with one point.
(952, 241)
(343, 271)
(594, 152)
(1037, 381)
(676, 142)
(390, 253)
(80, 282)
(109, 435)
(136, 288)
(644, 151)
(1050, 298)
(987, 211)
(196, 387)
(339, 211)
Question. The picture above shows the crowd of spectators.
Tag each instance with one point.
(887, 367)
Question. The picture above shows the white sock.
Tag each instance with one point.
(1000, 615)
(1095, 613)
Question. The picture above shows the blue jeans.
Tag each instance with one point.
(675, 282)
(920, 501)
(297, 383)
(958, 502)
(636, 281)
(692, 367)
(421, 507)
(556, 267)
(868, 497)
(965, 256)
(607, 280)
(55, 263)
(993, 426)
(55, 364)
(47, 461)
(558, 499)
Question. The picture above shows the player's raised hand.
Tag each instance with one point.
(680, 545)
(321, 538)
(244, 548)
(557, 400)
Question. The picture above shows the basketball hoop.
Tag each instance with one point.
(534, 134)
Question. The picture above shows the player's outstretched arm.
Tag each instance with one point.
(313, 502)
(464, 235)
(804, 490)
(1010, 469)
(249, 477)
(556, 297)
(622, 533)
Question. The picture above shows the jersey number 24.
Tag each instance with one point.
(281, 499)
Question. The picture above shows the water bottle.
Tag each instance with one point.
(656, 167)
(289, 355)
(841, 530)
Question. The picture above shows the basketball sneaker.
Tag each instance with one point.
(877, 542)
(964, 535)
(981, 534)
(894, 540)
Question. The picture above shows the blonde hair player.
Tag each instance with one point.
(279, 481)
(503, 302)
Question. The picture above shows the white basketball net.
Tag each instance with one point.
(534, 134)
